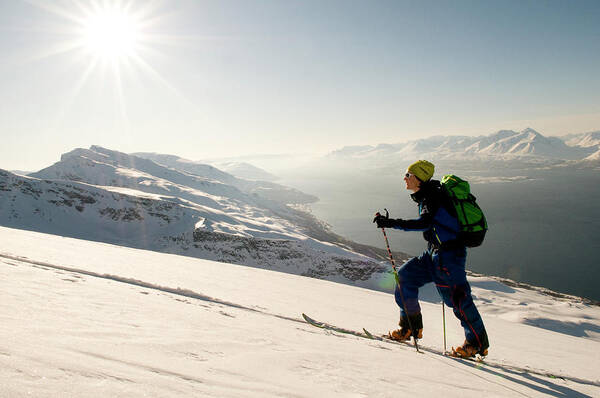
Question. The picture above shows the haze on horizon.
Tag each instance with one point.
(214, 79)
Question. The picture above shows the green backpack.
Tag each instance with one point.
(470, 217)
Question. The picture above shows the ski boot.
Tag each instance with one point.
(469, 350)
(405, 332)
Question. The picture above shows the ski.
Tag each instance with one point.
(383, 338)
(323, 325)
(365, 334)
(387, 339)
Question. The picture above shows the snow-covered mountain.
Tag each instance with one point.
(21, 172)
(503, 145)
(594, 156)
(204, 185)
(86, 319)
(251, 179)
(586, 140)
(103, 195)
(246, 171)
(590, 142)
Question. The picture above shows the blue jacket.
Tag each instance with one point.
(437, 218)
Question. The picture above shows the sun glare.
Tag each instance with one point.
(113, 40)
(111, 33)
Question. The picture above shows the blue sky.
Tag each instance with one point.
(230, 78)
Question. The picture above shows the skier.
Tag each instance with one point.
(442, 263)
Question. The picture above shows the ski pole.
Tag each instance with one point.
(387, 244)
(444, 321)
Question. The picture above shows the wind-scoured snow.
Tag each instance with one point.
(82, 318)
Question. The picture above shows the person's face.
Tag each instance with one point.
(412, 182)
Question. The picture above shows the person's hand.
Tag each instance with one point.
(384, 221)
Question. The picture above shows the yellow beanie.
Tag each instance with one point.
(422, 169)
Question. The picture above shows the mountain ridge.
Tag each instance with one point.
(268, 189)
(503, 144)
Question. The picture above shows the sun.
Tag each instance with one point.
(110, 33)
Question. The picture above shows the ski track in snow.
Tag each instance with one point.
(178, 291)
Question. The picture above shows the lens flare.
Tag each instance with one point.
(388, 282)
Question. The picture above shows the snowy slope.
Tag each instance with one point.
(87, 319)
(191, 222)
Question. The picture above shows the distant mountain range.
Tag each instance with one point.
(502, 145)
(588, 140)
(246, 170)
(185, 208)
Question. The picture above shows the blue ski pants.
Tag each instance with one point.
(446, 268)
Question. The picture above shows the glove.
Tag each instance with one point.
(385, 221)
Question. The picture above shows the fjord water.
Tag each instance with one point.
(544, 224)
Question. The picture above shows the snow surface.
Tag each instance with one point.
(88, 319)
